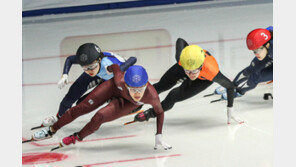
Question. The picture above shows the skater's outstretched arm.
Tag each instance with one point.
(129, 62)
(68, 63)
(159, 114)
(226, 83)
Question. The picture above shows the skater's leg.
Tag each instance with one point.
(96, 98)
(170, 78)
(77, 89)
(187, 90)
(115, 109)
(255, 78)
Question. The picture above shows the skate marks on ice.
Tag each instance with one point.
(35, 143)
(160, 160)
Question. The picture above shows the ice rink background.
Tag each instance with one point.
(196, 129)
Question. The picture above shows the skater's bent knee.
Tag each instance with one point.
(98, 118)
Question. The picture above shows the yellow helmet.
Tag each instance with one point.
(192, 57)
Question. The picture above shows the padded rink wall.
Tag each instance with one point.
(148, 46)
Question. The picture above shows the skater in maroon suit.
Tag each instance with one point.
(127, 91)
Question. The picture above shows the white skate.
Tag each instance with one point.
(44, 133)
(49, 121)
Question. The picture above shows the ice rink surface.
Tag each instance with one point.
(196, 129)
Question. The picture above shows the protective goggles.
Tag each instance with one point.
(193, 71)
(138, 89)
(259, 50)
(91, 67)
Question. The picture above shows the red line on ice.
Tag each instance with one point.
(143, 48)
(108, 138)
(130, 160)
(55, 83)
(42, 84)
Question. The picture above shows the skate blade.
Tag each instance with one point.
(27, 141)
(37, 127)
(135, 112)
(58, 147)
(129, 122)
(209, 95)
(214, 101)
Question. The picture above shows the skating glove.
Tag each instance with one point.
(63, 81)
(231, 115)
(159, 142)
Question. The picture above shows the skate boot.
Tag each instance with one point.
(267, 95)
(220, 90)
(49, 121)
(70, 139)
(44, 133)
(236, 94)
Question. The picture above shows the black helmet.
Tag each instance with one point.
(88, 53)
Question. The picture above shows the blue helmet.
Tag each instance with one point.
(136, 76)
